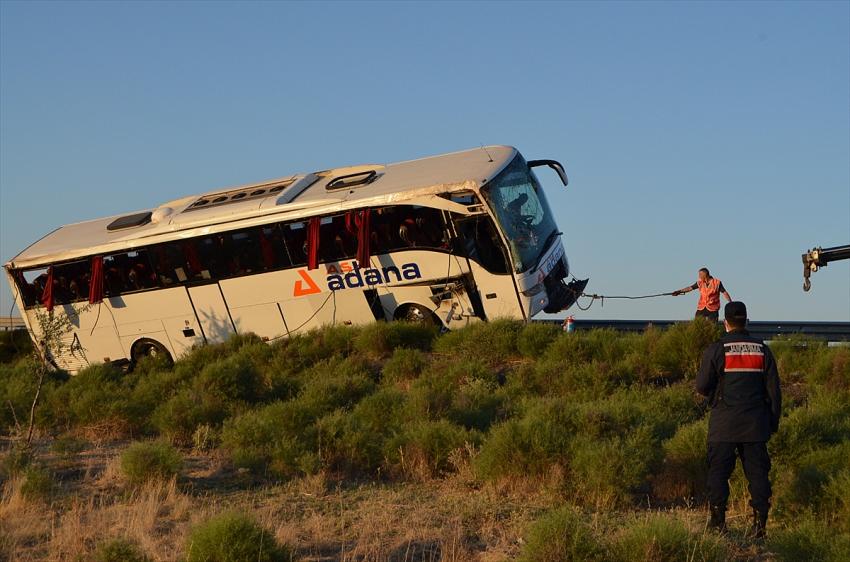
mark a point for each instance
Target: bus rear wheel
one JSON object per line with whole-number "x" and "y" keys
{"x": 147, "y": 347}
{"x": 417, "y": 314}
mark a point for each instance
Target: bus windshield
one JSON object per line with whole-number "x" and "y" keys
{"x": 520, "y": 206}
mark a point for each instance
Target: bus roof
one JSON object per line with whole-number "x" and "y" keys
{"x": 301, "y": 194}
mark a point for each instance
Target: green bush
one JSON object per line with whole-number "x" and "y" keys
{"x": 404, "y": 364}
{"x": 96, "y": 394}
{"x": 663, "y": 538}
{"x": 18, "y": 383}
{"x": 680, "y": 348}
{"x": 15, "y": 460}
{"x": 823, "y": 420}
{"x": 337, "y": 383}
{"x": 809, "y": 540}
{"x": 359, "y": 441}
{"x": 14, "y": 345}
{"x": 809, "y": 475}
{"x": 234, "y": 537}
{"x": 119, "y": 550}
{"x": 609, "y": 471}
{"x": 301, "y": 351}
{"x": 38, "y": 484}
{"x": 380, "y": 339}
{"x": 498, "y": 338}
{"x": 684, "y": 469}
{"x": 535, "y": 338}
{"x": 425, "y": 446}
{"x": 836, "y": 504}
{"x": 280, "y": 438}
{"x": 561, "y": 535}
{"x": 68, "y": 447}
{"x": 529, "y": 444}
{"x": 145, "y": 461}
{"x": 477, "y": 405}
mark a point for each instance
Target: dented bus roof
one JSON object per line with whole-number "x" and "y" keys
{"x": 286, "y": 198}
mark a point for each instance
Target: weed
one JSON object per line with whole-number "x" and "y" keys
{"x": 234, "y": 537}
{"x": 145, "y": 461}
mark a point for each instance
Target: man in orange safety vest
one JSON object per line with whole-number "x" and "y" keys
{"x": 710, "y": 289}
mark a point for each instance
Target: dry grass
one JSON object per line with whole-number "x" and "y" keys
{"x": 320, "y": 516}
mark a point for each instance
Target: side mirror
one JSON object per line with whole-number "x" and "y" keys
{"x": 555, "y": 165}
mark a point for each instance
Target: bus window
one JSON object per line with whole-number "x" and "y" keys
{"x": 404, "y": 227}
{"x": 31, "y": 284}
{"x": 295, "y": 240}
{"x": 479, "y": 240}
{"x": 71, "y": 282}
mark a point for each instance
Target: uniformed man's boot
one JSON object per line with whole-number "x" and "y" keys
{"x": 759, "y": 528}
{"x": 718, "y": 519}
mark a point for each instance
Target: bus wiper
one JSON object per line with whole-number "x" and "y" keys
{"x": 545, "y": 247}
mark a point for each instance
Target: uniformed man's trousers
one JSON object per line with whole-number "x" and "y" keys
{"x": 756, "y": 463}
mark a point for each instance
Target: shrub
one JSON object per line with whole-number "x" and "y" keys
{"x": 279, "y": 438}
{"x": 609, "y": 470}
{"x": 119, "y": 550}
{"x": 68, "y": 447}
{"x": 535, "y": 338}
{"x": 336, "y": 383}
{"x": 684, "y": 469}
{"x": 95, "y": 394}
{"x": 836, "y": 504}
{"x": 37, "y": 484}
{"x": 303, "y": 350}
{"x": 477, "y": 405}
{"x": 824, "y": 420}
{"x": 14, "y": 345}
{"x": 358, "y": 440}
{"x": 380, "y": 339}
{"x": 424, "y": 447}
{"x": 15, "y": 461}
{"x": 680, "y": 348}
{"x": 145, "y": 461}
{"x": 528, "y": 444}
{"x": 660, "y": 538}
{"x": 498, "y": 338}
{"x": 404, "y": 364}
{"x": 810, "y": 474}
{"x": 17, "y": 388}
{"x": 809, "y": 539}
{"x": 560, "y": 535}
{"x": 234, "y": 537}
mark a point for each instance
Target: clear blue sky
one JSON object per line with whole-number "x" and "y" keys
{"x": 694, "y": 134}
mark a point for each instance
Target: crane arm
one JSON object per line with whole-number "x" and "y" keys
{"x": 819, "y": 257}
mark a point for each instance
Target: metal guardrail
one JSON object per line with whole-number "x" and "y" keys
{"x": 831, "y": 331}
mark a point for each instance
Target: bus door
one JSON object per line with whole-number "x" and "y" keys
{"x": 212, "y": 312}
{"x": 490, "y": 267}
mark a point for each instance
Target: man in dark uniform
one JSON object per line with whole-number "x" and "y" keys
{"x": 738, "y": 374}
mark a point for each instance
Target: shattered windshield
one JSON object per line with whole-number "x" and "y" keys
{"x": 520, "y": 206}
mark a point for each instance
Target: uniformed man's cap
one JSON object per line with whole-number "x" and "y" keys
{"x": 735, "y": 310}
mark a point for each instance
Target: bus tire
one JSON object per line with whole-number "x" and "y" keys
{"x": 416, "y": 314}
{"x": 147, "y": 347}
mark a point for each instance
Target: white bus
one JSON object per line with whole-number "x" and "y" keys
{"x": 448, "y": 240}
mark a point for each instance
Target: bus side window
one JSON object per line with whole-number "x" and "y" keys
{"x": 295, "y": 239}
{"x": 480, "y": 241}
{"x": 31, "y": 284}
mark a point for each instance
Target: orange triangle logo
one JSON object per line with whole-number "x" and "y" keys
{"x": 305, "y": 285}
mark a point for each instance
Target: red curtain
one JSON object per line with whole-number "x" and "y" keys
{"x": 190, "y": 252}
{"x": 47, "y": 294}
{"x": 313, "y": 243}
{"x": 364, "y": 238}
{"x": 267, "y": 250}
{"x": 96, "y": 281}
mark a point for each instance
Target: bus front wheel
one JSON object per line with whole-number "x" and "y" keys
{"x": 147, "y": 347}
{"x": 416, "y": 314}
